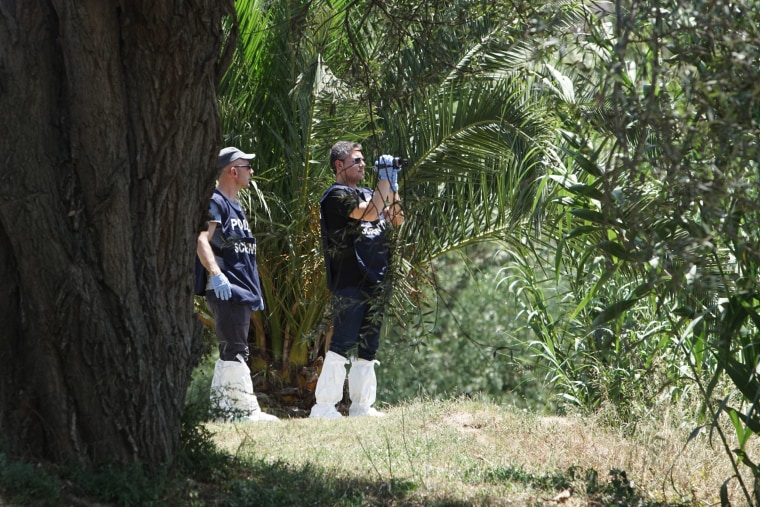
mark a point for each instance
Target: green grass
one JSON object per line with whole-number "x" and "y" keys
{"x": 470, "y": 452}
{"x": 462, "y": 452}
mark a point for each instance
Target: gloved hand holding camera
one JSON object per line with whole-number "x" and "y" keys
{"x": 388, "y": 167}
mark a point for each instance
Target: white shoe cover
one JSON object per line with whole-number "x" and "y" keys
{"x": 260, "y": 417}
{"x": 232, "y": 393}
{"x": 362, "y": 387}
{"x": 329, "y": 390}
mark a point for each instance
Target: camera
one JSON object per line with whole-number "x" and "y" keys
{"x": 386, "y": 161}
{"x": 399, "y": 162}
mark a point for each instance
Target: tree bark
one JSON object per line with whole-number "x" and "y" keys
{"x": 108, "y": 144}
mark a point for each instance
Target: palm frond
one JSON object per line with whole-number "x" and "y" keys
{"x": 477, "y": 153}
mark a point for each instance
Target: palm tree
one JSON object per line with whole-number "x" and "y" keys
{"x": 306, "y": 75}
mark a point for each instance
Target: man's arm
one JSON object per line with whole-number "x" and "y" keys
{"x": 371, "y": 210}
{"x": 205, "y": 253}
{"x": 219, "y": 281}
{"x": 386, "y": 198}
{"x": 395, "y": 212}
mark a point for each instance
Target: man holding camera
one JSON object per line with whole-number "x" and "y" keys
{"x": 354, "y": 223}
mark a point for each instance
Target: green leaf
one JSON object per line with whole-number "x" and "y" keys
{"x": 590, "y": 215}
{"x": 586, "y": 191}
{"x": 617, "y": 250}
{"x": 724, "y": 501}
{"x": 581, "y": 230}
{"x": 614, "y": 311}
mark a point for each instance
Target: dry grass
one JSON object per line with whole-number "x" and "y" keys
{"x": 468, "y": 452}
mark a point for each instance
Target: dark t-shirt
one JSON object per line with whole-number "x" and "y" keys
{"x": 356, "y": 251}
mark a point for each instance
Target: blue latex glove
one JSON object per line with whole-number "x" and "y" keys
{"x": 386, "y": 171}
{"x": 221, "y": 286}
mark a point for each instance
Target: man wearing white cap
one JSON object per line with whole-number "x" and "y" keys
{"x": 227, "y": 251}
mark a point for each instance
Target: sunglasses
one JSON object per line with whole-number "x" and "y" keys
{"x": 357, "y": 160}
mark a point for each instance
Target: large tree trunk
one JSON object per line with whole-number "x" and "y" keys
{"x": 108, "y": 135}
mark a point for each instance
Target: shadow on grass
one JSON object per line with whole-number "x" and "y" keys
{"x": 280, "y": 484}
{"x": 215, "y": 478}
{"x": 209, "y": 477}
{"x": 204, "y": 475}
